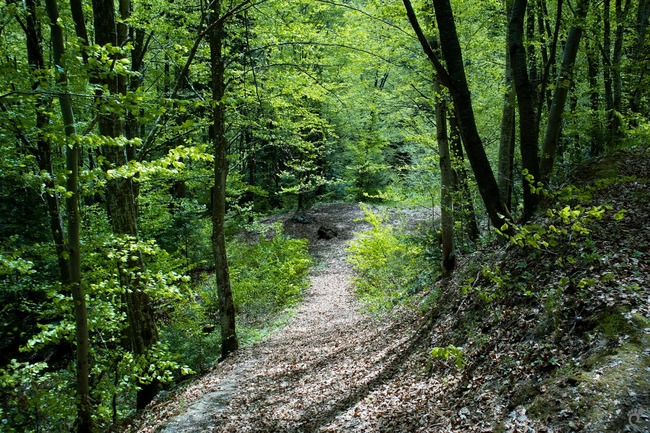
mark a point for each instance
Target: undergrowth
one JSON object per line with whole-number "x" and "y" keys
{"x": 563, "y": 295}
{"x": 390, "y": 265}
{"x": 268, "y": 277}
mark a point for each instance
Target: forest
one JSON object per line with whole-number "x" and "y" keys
{"x": 162, "y": 160}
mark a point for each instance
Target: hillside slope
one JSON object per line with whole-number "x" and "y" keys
{"x": 550, "y": 336}
{"x": 540, "y": 338}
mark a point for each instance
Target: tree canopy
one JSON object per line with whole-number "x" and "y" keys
{"x": 141, "y": 138}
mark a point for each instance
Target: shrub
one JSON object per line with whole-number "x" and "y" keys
{"x": 269, "y": 275}
{"x": 388, "y": 264}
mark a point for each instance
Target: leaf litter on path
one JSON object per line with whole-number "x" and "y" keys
{"x": 329, "y": 357}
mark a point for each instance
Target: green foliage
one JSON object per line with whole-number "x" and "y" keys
{"x": 561, "y": 224}
{"x": 190, "y": 331}
{"x": 41, "y": 395}
{"x": 450, "y": 352}
{"x": 562, "y": 236}
{"x": 493, "y": 284}
{"x": 35, "y": 398}
{"x": 388, "y": 265}
{"x": 321, "y": 100}
{"x": 269, "y": 275}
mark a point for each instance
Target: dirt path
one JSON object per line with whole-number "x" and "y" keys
{"x": 328, "y": 357}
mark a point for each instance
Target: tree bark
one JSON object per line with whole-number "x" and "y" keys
{"x": 507, "y": 137}
{"x": 562, "y": 87}
{"x": 617, "y": 55}
{"x": 593, "y": 71}
{"x": 84, "y": 418}
{"x": 122, "y": 207}
{"x": 451, "y": 51}
{"x": 528, "y": 131}
{"x": 229, "y": 342}
{"x": 545, "y": 95}
{"x": 461, "y": 184}
{"x": 607, "y": 68}
{"x": 640, "y": 55}
{"x": 446, "y": 184}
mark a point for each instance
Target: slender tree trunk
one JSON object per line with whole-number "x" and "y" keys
{"x": 640, "y": 56}
{"x": 528, "y": 132}
{"x": 76, "y": 8}
{"x": 607, "y": 68}
{"x": 461, "y": 183}
{"x": 455, "y": 80}
{"x": 617, "y": 55}
{"x": 43, "y": 150}
{"x": 532, "y": 43}
{"x": 122, "y": 208}
{"x": 593, "y": 71}
{"x": 459, "y": 90}
{"x": 84, "y": 418}
{"x": 546, "y": 95}
{"x": 562, "y": 87}
{"x": 229, "y": 342}
{"x": 545, "y": 35}
{"x": 446, "y": 184}
{"x": 507, "y": 138}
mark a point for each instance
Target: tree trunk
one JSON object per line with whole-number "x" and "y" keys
{"x": 525, "y": 101}
{"x": 545, "y": 94}
{"x": 621, "y": 16}
{"x": 531, "y": 47}
{"x": 640, "y": 56}
{"x": 593, "y": 71}
{"x": 84, "y": 418}
{"x": 43, "y": 150}
{"x": 545, "y": 35}
{"x": 122, "y": 208}
{"x": 507, "y": 138}
{"x": 562, "y": 87}
{"x": 461, "y": 183}
{"x": 459, "y": 90}
{"x": 607, "y": 68}
{"x": 229, "y": 342}
{"x": 455, "y": 80}
{"x": 446, "y": 184}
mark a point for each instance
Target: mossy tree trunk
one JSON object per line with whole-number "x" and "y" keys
{"x": 528, "y": 126}
{"x": 229, "y": 342}
{"x": 507, "y": 137}
{"x": 73, "y": 245}
{"x": 446, "y": 184}
{"x": 121, "y": 206}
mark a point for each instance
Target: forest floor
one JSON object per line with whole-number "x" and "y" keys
{"x": 325, "y": 360}
{"x": 548, "y": 340}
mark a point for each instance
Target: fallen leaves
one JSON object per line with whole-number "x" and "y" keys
{"x": 534, "y": 363}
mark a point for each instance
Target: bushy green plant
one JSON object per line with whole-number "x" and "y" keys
{"x": 39, "y": 386}
{"x": 268, "y": 276}
{"x": 450, "y": 352}
{"x": 191, "y": 330}
{"x": 387, "y": 263}
{"x": 36, "y": 398}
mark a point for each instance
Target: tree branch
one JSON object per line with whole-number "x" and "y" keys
{"x": 443, "y": 76}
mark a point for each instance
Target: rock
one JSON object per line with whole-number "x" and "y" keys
{"x": 325, "y": 232}
{"x": 302, "y": 218}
